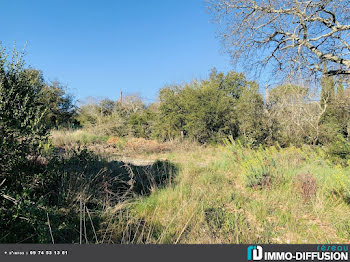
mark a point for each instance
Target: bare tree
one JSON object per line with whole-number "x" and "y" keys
{"x": 297, "y": 114}
{"x": 292, "y": 35}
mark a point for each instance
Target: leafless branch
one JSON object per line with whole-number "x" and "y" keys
{"x": 291, "y": 35}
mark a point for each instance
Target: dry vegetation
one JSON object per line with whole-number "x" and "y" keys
{"x": 231, "y": 194}
{"x": 113, "y": 145}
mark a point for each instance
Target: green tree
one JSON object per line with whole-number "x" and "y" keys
{"x": 141, "y": 123}
{"x": 209, "y": 112}
{"x": 250, "y": 115}
{"x": 21, "y": 112}
{"x": 171, "y": 117}
{"x": 205, "y": 110}
{"x": 61, "y": 110}
{"x": 22, "y": 132}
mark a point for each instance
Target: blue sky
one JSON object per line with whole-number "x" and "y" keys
{"x": 99, "y": 48}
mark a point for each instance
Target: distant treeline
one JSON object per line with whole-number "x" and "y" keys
{"x": 228, "y": 105}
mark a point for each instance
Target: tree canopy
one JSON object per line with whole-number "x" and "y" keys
{"x": 291, "y": 35}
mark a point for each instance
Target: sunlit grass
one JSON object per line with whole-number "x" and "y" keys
{"x": 211, "y": 202}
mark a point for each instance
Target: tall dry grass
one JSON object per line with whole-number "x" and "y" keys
{"x": 234, "y": 194}
{"x": 76, "y": 137}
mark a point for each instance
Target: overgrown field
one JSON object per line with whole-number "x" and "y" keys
{"x": 207, "y": 161}
{"x": 224, "y": 194}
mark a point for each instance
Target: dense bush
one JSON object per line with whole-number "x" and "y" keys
{"x": 339, "y": 150}
{"x": 22, "y": 134}
{"x": 209, "y": 110}
{"x": 28, "y": 180}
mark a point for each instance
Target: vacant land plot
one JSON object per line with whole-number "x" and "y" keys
{"x": 231, "y": 194}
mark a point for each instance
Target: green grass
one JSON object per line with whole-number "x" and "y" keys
{"x": 218, "y": 197}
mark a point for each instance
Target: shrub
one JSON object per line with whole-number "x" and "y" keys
{"x": 117, "y": 118}
{"x": 145, "y": 146}
{"x": 258, "y": 168}
{"x": 22, "y": 131}
{"x": 338, "y": 183}
{"x": 339, "y": 151}
{"x": 118, "y": 142}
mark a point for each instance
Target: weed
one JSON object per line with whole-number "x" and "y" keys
{"x": 307, "y": 186}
